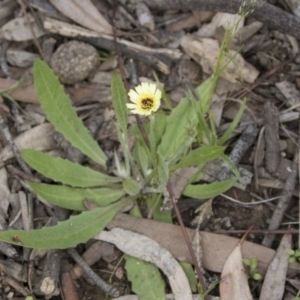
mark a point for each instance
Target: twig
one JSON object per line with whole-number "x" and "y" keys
{"x": 284, "y": 201}
{"x": 8, "y": 138}
{"x": 271, "y": 137}
{"x": 68, "y": 287}
{"x": 51, "y": 272}
{"x": 16, "y": 285}
{"x": 187, "y": 240}
{"x": 35, "y": 40}
{"x": 259, "y": 231}
{"x": 245, "y": 141}
{"x": 113, "y": 292}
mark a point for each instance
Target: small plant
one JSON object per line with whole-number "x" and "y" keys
{"x": 294, "y": 255}
{"x": 252, "y": 264}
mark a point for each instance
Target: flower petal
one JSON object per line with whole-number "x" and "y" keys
{"x": 133, "y": 96}
{"x": 139, "y": 89}
{"x": 152, "y": 88}
{"x": 131, "y": 105}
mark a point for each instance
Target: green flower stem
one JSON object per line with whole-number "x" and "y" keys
{"x": 153, "y": 146}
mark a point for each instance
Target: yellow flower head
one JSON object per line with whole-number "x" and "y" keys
{"x": 145, "y": 98}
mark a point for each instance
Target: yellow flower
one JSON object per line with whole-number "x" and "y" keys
{"x": 145, "y": 98}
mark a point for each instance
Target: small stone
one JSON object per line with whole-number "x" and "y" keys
{"x": 74, "y": 61}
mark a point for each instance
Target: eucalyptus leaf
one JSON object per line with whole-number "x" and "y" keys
{"x": 72, "y": 198}
{"x": 60, "y": 112}
{"x": 64, "y": 171}
{"x": 77, "y": 229}
{"x": 205, "y": 191}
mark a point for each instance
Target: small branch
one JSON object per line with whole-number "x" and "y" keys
{"x": 51, "y": 272}
{"x": 113, "y": 292}
{"x": 284, "y": 201}
{"x": 9, "y": 140}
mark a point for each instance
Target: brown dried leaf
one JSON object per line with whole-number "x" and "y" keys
{"x": 83, "y": 13}
{"x": 234, "y": 282}
{"x": 205, "y": 51}
{"x": 274, "y": 283}
{"x": 38, "y": 138}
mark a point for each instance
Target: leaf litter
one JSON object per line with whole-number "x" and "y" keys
{"x": 257, "y": 54}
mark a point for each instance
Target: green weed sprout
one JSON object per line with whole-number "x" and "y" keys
{"x": 294, "y": 255}
{"x": 252, "y": 264}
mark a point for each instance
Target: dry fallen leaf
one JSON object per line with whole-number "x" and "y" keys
{"x": 234, "y": 282}
{"x": 38, "y": 138}
{"x": 19, "y": 30}
{"x": 274, "y": 283}
{"x": 205, "y": 51}
{"x": 83, "y": 13}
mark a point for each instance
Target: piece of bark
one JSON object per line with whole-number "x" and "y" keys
{"x": 272, "y": 153}
{"x": 216, "y": 248}
{"x": 51, "y": 272}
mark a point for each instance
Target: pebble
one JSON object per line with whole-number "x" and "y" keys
{"x": 74, "y": 61}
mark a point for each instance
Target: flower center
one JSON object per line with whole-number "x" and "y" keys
{"x": 147, "y": 103}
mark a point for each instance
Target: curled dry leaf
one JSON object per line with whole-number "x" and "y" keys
{"x": 234, "y": 282}
{"x": 205, "y": 51}
{"x": 38, "y": 138}
{"x": 19, "y": 30}
{"x": 83, "y": 13}
{"x": 274, "y": 283}
{"x": 147, "y": 249}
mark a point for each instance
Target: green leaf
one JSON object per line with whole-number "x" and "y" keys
{"x": 64, "y": 171}
{"x": 223, "y": 139}
{"x": 201, "y": 155}
{"x": 205, "y": 191}
{"x": 163, "y": 172}
{"x": 177, "y": 136}
{"x": 60, "y": 112}
{"x": 66, "y": 234}
{"x": 190, "y": 274}
{"x": 145, "y": 278}
{"x": 72, "y": 198}
{"x": 119, "y": 100}
{"x": 205, "y": 92}
{"x": 131, "y": 187}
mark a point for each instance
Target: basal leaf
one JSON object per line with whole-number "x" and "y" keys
{"x": 205, "y": 191}
{"x": 223, "y": 139}
{"x": 64, "y": 171}
{"x": 119, "y": 100}
{"x": 66, "y": 234}
{"x": 131, "y": 186}
{"x": 145, "y": 279}
{"x": 72, "y": 198}
{"x": 60, "y": 112}
{"x": 179, "y": 130}
{"x": 201, "y": 155}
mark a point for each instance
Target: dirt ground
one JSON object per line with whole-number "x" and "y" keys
{"x": 177, "y": 45}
